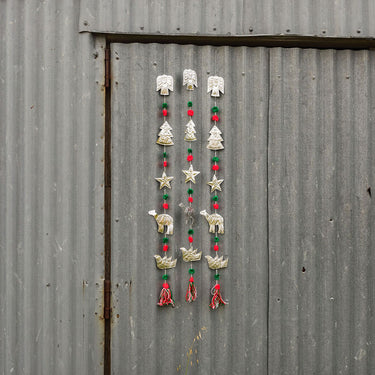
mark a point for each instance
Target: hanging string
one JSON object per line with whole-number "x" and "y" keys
{"x": 164, "y": 221}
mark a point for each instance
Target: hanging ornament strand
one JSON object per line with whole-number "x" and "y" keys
{"x": 215, "y": 220}
{"x": 164, "y": 221}
{"x": 190, "y": 255}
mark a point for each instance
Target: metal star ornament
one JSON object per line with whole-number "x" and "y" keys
{"x": 215, "y": 184}
{"x": 190, "y": 174}
{"x": 164, "y": 181}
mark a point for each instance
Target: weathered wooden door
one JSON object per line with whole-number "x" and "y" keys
{"x": 296, "y": 201}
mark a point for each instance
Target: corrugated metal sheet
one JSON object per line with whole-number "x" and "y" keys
{"x": 148, "y": 339}
{"x": 298, "y": 175}
{"x": 339, "y": 18}
{"x": 51, "y": 192}
{"x": 321, "y": 213}
{"x": 300, "y": 280}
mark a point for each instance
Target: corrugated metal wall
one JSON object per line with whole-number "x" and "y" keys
{"x": 51, "y": 191}
{"x": 321, "y": 212}
{"x": 297, "y": 169}
{"x": 148, "y": 339}
{"x": 301, "y": 249}
{"x": 340, "y": 18}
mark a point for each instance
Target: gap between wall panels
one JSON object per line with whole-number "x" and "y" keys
{"x": 107, "y": 214}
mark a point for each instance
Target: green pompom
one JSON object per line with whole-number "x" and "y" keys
{"x": 191, "y": 271}
{"x": 190, "y": 104}
{"x": 165, "y": 196}
{"x": 164, "y": 154}
{"x": 216, "y": 239}
{"x": 217, "y": 277}
{"x": 165, "y": 240}
{"x": 215, "y": 158}
{"x": 165, "y": 105}
{"x": 165, "y": 277}
{"x": 191, "y": 231}
{"x": 215, "y": 198}
{"x": 190, "y": 191}
{"x": 215, "y": 109}
{"x": 190, "y": 150}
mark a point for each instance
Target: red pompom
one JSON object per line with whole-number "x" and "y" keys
{"x": 190, "y": 199}
{"x": 166, "y": 286}
{"x": 217, "y": 286}
{"x": 191, "y": 239}
{"x": 191, "y": 280}
{"x": 215, "y": 118}
{"x": 165, "y": 112}
{"x": 216, "y": 247}
{"x": 189, "y": 158}
{"x": 215, "y": 167}
{"x": 165, "y": 163}
{"x": 216, "y": 206}
{"x": 165, "y": 248}
{"x": 166, "y": 206}
{"x": 190, "y": 112}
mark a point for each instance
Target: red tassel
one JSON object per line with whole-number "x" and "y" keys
{"x": 191, "y": 293}
{"x": 216, "y": 300}
{"x": 165, "y": 297}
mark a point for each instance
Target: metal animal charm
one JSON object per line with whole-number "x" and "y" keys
{"x": 213, "y": 220}
{"x": 190, "y": 255}
{"x": 163, "y": 220}
{"x": 216, "y": 263}
{"x": 189, "y": 212}
{"x": 164, "y": 83}
{"x": 190, "y": 79}
{"x": 216, "y": 85}
{"x": 165, "y": 262}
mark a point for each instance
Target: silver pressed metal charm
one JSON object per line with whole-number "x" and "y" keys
{"x": 215, "y": 85}
{"x": 164, "y": 83}
{"x": 190, "y": 79}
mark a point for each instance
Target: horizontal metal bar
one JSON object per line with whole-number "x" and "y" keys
{"x": 287, "y": 41}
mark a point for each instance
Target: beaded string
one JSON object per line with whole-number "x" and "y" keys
{"x": 190, "y": 255}
{"x": 165, "y": 195}
{"x": 165, "y": 221}
{"x": 215, "y": 220}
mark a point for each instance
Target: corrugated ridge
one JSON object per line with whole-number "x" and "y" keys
{"x": 51, "y": 191}
{"x": 239, "y": 17}
{"x": 320, "y": 158}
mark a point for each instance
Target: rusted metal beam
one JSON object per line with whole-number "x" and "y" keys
{"x": 107, "y": 214}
